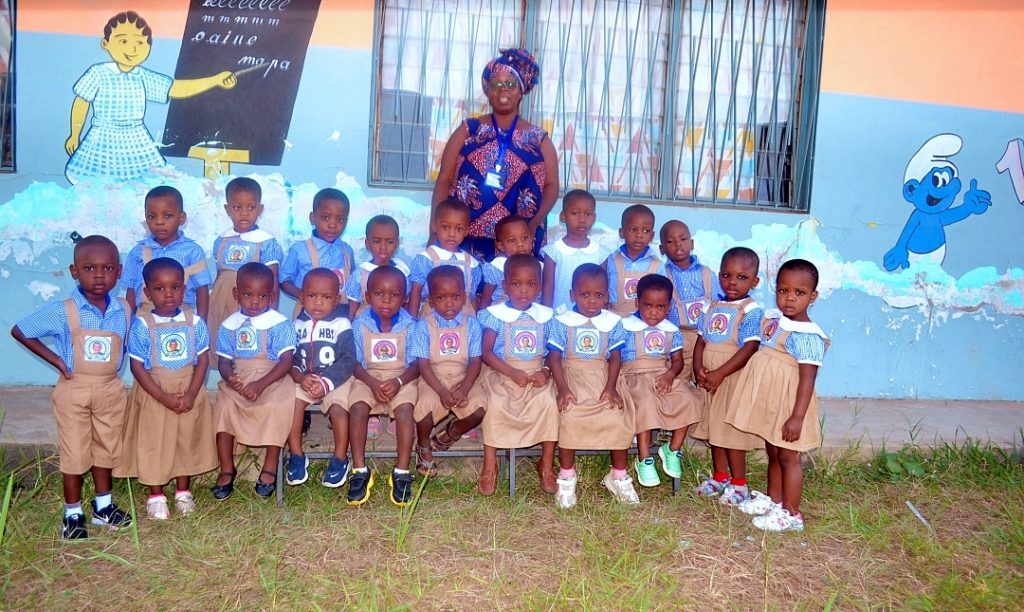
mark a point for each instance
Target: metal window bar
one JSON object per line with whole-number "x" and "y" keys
{"x": 7, "y": 85}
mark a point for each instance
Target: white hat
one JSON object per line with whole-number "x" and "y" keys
{"x": 933, "y": 154}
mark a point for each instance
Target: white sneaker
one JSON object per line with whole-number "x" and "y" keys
{"x": 734, "y": 495}
{"x": 779, "y": 519}
{"x": 566, "y": 496}
{"x": 184, "y": 502}
{"x": 621, "y": 490}
{"x": 156, "y": 508}
{"x": 758, "y": 504}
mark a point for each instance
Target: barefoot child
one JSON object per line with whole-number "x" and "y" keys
{"x": 775, "y": 396}
{"x": 561, "y": 258}
{"x": 169, "y": 430}
{"x": 450, "y": 225}
{"x": 324, "y": 249}
{"x": 381, "y": 243}
{"x": 88, "y": 330}
{"x": 633, "y": 260}
{"x": 512, "y": 236}
{"x": 584, "y": 353}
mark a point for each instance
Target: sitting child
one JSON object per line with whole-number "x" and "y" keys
{"x": 450, "y": 225}
{"x": 633, "y": 260}
{"x": 512, "y": 236}
{"x": 381, "y": 243}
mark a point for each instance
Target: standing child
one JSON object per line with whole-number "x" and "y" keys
{"x": 325, "y": 356}
{"x": 243, "y": 243}
{"x": 450, "y": 225}
{"x": 324, "y": 249}
{"x": 385, "y": 375}
{"x": 446, "y": 343}
{"x": 775, "y": 396}
{"x": 730, "y": 332}
{"x": 633, "y": 260}
{"x": 381, "y": 243}
{"x": 584, "y": 353}
{"x": 523, "y": 410}
{"x": 165, "y": 214}
{"x": 512, "y": 236}
{"x": 254, "y": 395}
{"x": 88, "y": 329}
{"x": 561, "y": 258}
{"x": 657, "y": 398}
{"x": 169, "y": 430}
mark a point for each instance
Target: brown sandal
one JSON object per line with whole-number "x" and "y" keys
{"x": 424, "y": 467}
{"x": 436, "y": 443}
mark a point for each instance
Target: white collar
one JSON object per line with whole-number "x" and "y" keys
{"x": 177, "y": 318}
{"x": 113, "y": 67}
{"x": 256, "y": 235}
{"x": 499, "y": 262}
{"x": 444, "y": 255}
{"x": 752, "y": 305}
{"x": 634, "y": 323}
{"x": 266, "y": 320}
{"x": 803, "y": 327}
{"x": 604, "y": 321}
{"x": 590, "y": 249}
{"x": 538, "y": 312}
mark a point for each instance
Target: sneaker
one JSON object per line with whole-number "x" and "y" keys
{"x": 373, "y": 428}
{"x": 566, "y": 495}
{"x": 621, "y": 490}
{"x": 74, "y": 528}
{"x": 779, "y": 519}
{"x": 336, "y": 474}
{"x": 670, "y": 461}
{"x": 298, "y": 473}
{"x": 646, "y": 474}
{"x": 401, "y": 488}
{"x": 111, "y": 516}
{"x": 710, "y": 487}
{"x": 156, "y": 508}
{"x": 734, "y": 495}
{"x": 359, "y": 485}
{"x": 758, "y": 504}
{"x": 184, "y": 503}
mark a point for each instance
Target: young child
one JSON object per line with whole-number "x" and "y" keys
{"x": 522, "y": 410}
{"x": 243, "y": 243}
{"x": 450, "y": 225}
{"x": 325, "y": 356}
{"x": 381, "y": 242}
{"x": 447, "y": 346}
{"x": 775, "y": 396}
{"x": 694, "y": 285}
{"x": 325, "y": 249}
{"x": 584, "y": 353}
{"x": 165, "y": 214}
{"x": 255, "y": 393}
{"x": 385, "y": 376}
{"x": 169, "y": 430}
{"x": 562, "y": 257}
{"x": 633, "y": 260}
{"x": 512, "y": 236}
{"x": 88, "y": 329}
{"x": 729, "y": 334}
{"x": 657, "y": 398}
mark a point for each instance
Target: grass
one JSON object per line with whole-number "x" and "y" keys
{"x": 863, "y": 548}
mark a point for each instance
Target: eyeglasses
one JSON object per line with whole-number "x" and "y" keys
{"x": 510, "y": 85}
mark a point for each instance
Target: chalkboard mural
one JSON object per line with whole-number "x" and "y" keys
{"x": 263, "y": 42}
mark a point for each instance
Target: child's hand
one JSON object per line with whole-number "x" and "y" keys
{"x": 186, "y": 401}
{"x": 385, "y": 390}
{"x": 64, "y": 371}
{"x": 701, "y": 374}
{"x": 251, "y": 391}
{"x": 539, "y": 378}
{"x": 447, "y": 399}
{"x": 520, "y": 377}
{"x": 171, "y": 401}
{"x": 226, "y": 79}
{"x": 612, "y": 396}
{"x": 663, "y": 383}
{"x": 712, "y": 380}
{"x": 310, "y": 382}
{"x": 458, "y": 396}
{"x": 564, "y": 398}
{"x": 235, "y": 382}
{"x": 792, "y": 429}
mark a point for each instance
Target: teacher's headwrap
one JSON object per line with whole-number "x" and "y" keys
{"x": 518, "y": 63}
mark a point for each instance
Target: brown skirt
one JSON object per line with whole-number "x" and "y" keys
{"x": 678, "y": 408}
{"x": 428, "y": 401}
{"x": 361, "y": 392}
{"x": 518, "y": 417}
{"x": 222, "y": 304}
{"x": 338, "y": 396}
{"x": 590, "y": 423}
{"x": 712, "y": 426}
{"x": 764, "y": 400}
{"x": 266, "y": 421}
{"x": 160, "y": 444}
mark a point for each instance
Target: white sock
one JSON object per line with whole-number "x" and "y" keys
{"x": 400, "y": 471}
{"x": 362, "y": 469}
{"x": 102, "y": 500}
{"x": 72, "y": 509}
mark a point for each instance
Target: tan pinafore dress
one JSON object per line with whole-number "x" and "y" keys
{"x": 626, "y": 290}
{"x": 466, "y": 265}
{"x": 385, "y": 359}
{"x": 222, "y": 299}
{"x": 449, "y": 356}
{"x": 90, "y": 407}
{"x": 342, "y": 274}
{"x": 680, "y": 407}
{"x": 590, "y": 423}
{"x": 689, "y": 314}
{"x": 766, "y": 395}
{"x": 160, "y": 444}
{"x": 146, "y": 305}
{"x": 712, "y": 426}
{"x": 266, "y": 421}
{"x": 518, "y": 417}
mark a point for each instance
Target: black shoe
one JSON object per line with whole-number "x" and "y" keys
{"x": 307, "y": 420}
{"x": 359, "y": 485}
{"x": 401, "y": 488}
{"x": 74, "y": 528}
{"x": 111, "y": 516}
{"x": 266, "y": 489}
{"x": 222, "y": 492}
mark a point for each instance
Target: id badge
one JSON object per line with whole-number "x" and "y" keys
{"x": 493, "y": 180}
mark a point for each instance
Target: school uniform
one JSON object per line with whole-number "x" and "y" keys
{"x": 518, "y": 417}
{"x": 256, "y": 344}
{"x": 160, "y": 444}
{"x": 766, "y": 390}
{"x": 692, "y": 290}
{"x": 182, "y": 250}
{"x": 726, "y": 327}
{"x": 586, "y": 345}
{"x": 315, "y": 252}
{"x": 434, "y": 256}
{"x": 354, "y": 288}
{"x": 384, "y": 355}
{"x": 89, "y": 408}
{"x": 624, "y": 274}
{"x": 566, "y": 259}
{"x": 448, "y": 345}
{"x": 493, "y": 273}
{"x": 326, "y": 348}
{"x": 646, "y": 354}
{"x": 231, "y": 251}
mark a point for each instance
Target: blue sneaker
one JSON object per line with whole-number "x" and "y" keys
{"x": 297, "y": 470}
{"x": 336, "y": 474}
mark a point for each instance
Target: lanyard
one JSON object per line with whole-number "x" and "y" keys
{"x": 503, "y": 140}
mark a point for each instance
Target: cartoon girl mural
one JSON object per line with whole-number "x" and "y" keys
{"x": 117, "y": 145}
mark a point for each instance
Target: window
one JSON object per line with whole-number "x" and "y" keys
{"x": 706, "y": 101}
{"x": 6, "y": 86}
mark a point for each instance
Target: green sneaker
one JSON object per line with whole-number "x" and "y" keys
{"x": 670, "y": 461}
{"x": 646, "y": 474}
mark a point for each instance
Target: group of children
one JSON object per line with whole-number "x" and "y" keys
{"x": 585, "y": 350}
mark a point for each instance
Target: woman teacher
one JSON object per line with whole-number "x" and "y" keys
{"x": 500, "y": 164}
